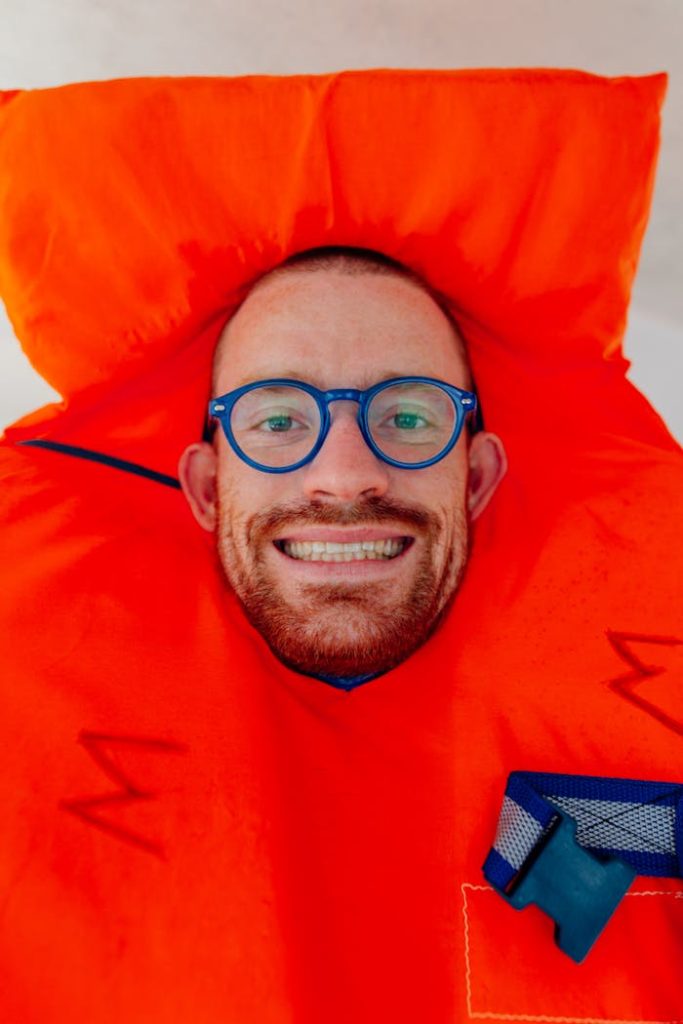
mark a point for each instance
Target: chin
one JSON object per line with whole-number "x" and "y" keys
{"x": 336, "y": 645}
{"x": 344, "y": 630}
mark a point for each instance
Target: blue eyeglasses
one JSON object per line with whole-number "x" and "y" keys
{"x": 280, "y": 425}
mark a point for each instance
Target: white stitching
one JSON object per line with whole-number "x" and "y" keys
{"x": 466, "y": 929}
{"x": 486, "y": 1015}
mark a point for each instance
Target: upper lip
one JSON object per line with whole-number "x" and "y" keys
{"x": 342, "y": 535}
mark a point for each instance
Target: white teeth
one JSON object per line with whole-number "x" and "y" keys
{"x": 334, "y": 551}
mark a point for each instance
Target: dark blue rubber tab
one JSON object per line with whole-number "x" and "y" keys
{"x": 576, "y": 889}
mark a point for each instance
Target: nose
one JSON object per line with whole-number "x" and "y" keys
{"x": 345, "y": 468}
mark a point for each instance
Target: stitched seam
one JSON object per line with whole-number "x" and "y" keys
{"x": 466, "y": 931}
{"x": 489, "y": 1015}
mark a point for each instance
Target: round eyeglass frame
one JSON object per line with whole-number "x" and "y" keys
{"x": 465, "y": 402}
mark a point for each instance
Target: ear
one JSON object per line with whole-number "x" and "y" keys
{"x": 488, "y": 465}
{"x": 197, "y": 473}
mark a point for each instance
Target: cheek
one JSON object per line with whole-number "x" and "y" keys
{"x": 444, "y": 494}
{"x": 442, "y": 488}
{"x": 243, "y": 492}
{"x": 454, "y": 478}
{"x": 236, "y": 496}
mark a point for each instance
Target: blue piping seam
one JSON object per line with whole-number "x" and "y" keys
{"x": 105, "y": 460}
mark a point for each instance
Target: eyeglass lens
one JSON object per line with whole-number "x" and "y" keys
{"x": 279, "y": 425}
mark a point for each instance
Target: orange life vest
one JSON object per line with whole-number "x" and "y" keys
{"x": 192, "y": 832}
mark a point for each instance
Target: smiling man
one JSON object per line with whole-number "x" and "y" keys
{"x": 346, "y": 473}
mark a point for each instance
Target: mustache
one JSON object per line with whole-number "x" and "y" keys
{"x": 371, "y": 511}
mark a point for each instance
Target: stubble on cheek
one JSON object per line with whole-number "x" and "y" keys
{"x": 342, "y": 629}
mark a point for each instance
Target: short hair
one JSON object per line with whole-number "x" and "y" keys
{"x": 354, "y": 260}
{"x": 351, "y": 260}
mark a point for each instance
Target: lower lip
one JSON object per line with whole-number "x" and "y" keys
{"x": 366, "y": 567}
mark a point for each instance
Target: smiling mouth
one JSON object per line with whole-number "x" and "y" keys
{"x": 353, "y": 551}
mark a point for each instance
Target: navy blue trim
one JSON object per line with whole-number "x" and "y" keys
{"x": 344, "y": 683}
{"x": 105, "y": 460}
{"x": 497, "y": 870}
{"x": 587, "y": 787}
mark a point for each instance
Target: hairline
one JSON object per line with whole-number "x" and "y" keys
{"x": 353, "y": 262}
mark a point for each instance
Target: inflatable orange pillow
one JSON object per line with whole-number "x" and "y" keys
{"x": 193, "y": 831}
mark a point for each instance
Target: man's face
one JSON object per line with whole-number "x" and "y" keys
{"x": 365, "y": 606}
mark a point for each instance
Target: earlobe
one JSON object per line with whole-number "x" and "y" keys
{"x": 197, "y": 474}
{"x": 488, "y": 465}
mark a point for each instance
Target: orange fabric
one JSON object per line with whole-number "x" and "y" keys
{"x": 273, "y": 850}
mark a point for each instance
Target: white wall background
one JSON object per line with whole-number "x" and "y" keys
{"x": 49, "y": 42}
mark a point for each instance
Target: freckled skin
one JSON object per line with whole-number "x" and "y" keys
{"x": 334, "y": 329}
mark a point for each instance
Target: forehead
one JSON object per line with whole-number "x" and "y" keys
{"x": 335, "y": 329}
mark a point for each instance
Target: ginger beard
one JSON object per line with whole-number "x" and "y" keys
{"x": 342, "y": 629}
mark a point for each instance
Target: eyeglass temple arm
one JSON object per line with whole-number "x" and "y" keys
{"x": 475, "y": 418}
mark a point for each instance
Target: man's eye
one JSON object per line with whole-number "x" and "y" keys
{"x": 279, "y": 423}
{"x": 276, "y": 424}
{"x": 407, "y": 421}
